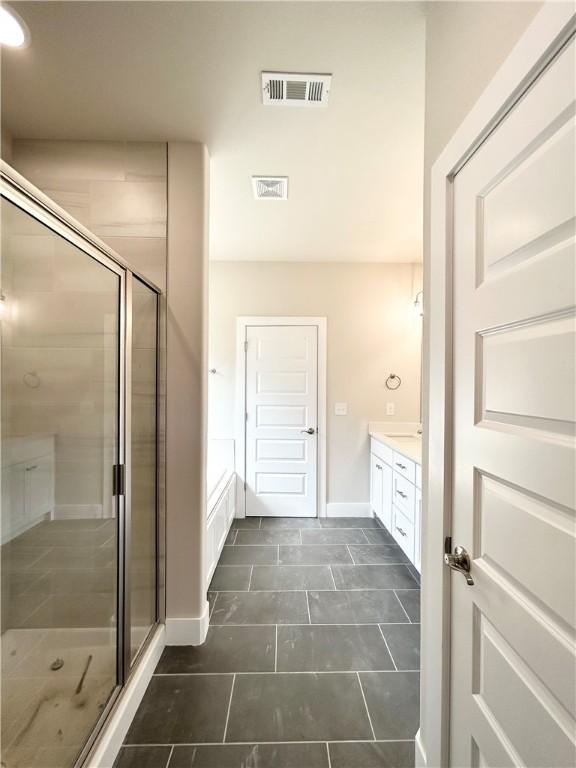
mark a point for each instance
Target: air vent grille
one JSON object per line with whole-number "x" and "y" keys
{"x": 295, "y": 89}
{"x": 270, "y": 187}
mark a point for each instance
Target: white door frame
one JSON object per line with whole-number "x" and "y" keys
{"x": 546, "y": 35}
{"x": 241, "y": 325}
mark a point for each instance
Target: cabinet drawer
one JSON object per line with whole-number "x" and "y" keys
{"x": 403, "y": 495}
{"x": 382, "y": 451}
{"x": 404, "y": 466}
{"x": 404, "y": 533}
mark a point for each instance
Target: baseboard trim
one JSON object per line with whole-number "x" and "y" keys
{"x": 78, "y": 512}
{"x": 420, "y": 754}
{"x": 349, "y": 509}
{"x": 114, "y": 733}
{"x": 188, "y": 631}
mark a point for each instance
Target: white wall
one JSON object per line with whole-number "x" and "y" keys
{"x": 373, "y": 330}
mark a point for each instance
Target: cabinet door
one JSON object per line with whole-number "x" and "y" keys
{"x": 376, "y": 485}
{"x": 13, "y": 501}
{"x": 40, "y": 488}
{"x": 418, "y": 528}
{"x": 387, "y": 496}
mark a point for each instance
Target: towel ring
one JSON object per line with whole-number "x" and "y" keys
{"x": 393, "y": 381}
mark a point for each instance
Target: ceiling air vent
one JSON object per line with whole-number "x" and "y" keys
{"x": 270, "y": 187}
{"x": 295, "y": 90}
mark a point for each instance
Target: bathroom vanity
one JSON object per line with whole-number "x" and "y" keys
{"x": 27, "y": 483}
{"x": 396, "y": 483}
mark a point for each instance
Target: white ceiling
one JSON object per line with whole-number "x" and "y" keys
{"x": 191, "y": 71}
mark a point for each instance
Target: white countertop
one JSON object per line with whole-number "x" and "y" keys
{"x": 400, "y": 437}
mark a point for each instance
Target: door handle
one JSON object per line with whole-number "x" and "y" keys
{"x": 460, "y": 561}
{"x": 309, "y": 431}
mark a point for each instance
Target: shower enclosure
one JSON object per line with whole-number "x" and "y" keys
{"x": 79, "y": 523}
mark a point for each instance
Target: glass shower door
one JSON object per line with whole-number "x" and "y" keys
{"x": 143, "y": 558}
{"x": 60, "y": 311}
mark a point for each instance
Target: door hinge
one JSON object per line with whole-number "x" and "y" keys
{"x": 246, "y": 416}
{"x": 448, "y": 545}
{"x": 118, "y": 480}
{"x": 244, "y": 484}
{"x": 245, "y": 346}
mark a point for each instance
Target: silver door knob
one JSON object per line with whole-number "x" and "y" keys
{"x": 309, "y": 431}
{"x": 460, "y": 561}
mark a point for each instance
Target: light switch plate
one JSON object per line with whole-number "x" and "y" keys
{"x": 341, "y": 409}
{"x": 390, "y": 409}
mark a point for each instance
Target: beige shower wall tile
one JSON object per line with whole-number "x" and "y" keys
{"x": 31, "y": 259}
{"x": 128, "y": 209}
{"x": 145, "y": 161}
{"x": 64, "y": 319}
{"x": 147, "y": 255}
{"x": 41, "y": 161}
{"x": 75, "y": 271}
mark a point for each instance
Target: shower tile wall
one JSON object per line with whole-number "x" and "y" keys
{"x": 118, "y": 190}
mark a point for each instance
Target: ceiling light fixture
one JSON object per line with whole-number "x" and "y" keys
{"x": 13, "y": 31}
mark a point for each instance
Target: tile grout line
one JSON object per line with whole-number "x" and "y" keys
{"x": 333, "y": 579}
{"x": 402, "y": 606}
{"x": 213, "y": 606}
{"x": 366, "y": 705}
{"x": 328, "y": 753}
{"x": 170, "y": 757}
{"x": 229, "y": 708}
{"x": 387, "y": 647}
{"x": 308, "y": 606}
{"x": 249, "y": 580}
{"x": 287, "y": 672}
{"x": 244, "y": 743}
{"x": 276, "y": 650}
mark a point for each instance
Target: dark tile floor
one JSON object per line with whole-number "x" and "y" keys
{"x": 311, "y": 660}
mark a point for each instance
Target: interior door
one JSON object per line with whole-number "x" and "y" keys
{"x": 513, "y": 657}
{"x": 281, "y": 420}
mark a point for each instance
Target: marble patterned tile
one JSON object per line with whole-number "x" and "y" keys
{"x": 200, "y": 701}
{"x": 314, "y": 555}
{"x": 226, "y": 649}
{"x": 260, "y": 608}
{"x": 269, "y": 536}
{"x": 334, "y": 536}
{"x": 393, "y": 700}
{"x": 331, "y": 649}
{"x": 293, "y": 707}
{"x": 369, "y": 606}
{"x": 410, "y": 599}
{"x": 373, "y": 577}
{"x": 372, "y": 754}
{"x": 143, "y": 757}
{"x": 247, "y": 555}
{"x": 291, "y": 577}
{"x": 230, "y": 578}
{"x": 404, "y": 644}
{"x": 348, "y": 522}
{"x": 250, "y": 756}
{"x": 374, "y": 554}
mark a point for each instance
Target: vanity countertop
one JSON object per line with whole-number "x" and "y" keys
{"x": 400, "y": 437}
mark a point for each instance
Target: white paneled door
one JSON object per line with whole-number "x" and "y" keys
{"x": 281, "y": 420}
{"x": 513, "y": 699}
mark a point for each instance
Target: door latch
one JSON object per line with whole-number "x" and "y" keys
{"x": 460, "y": 561}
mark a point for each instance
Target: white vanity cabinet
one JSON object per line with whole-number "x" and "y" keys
{"x": 27, "y": 483}
{"x": 220, "y": 515}
{"x": 395, "y": 495}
